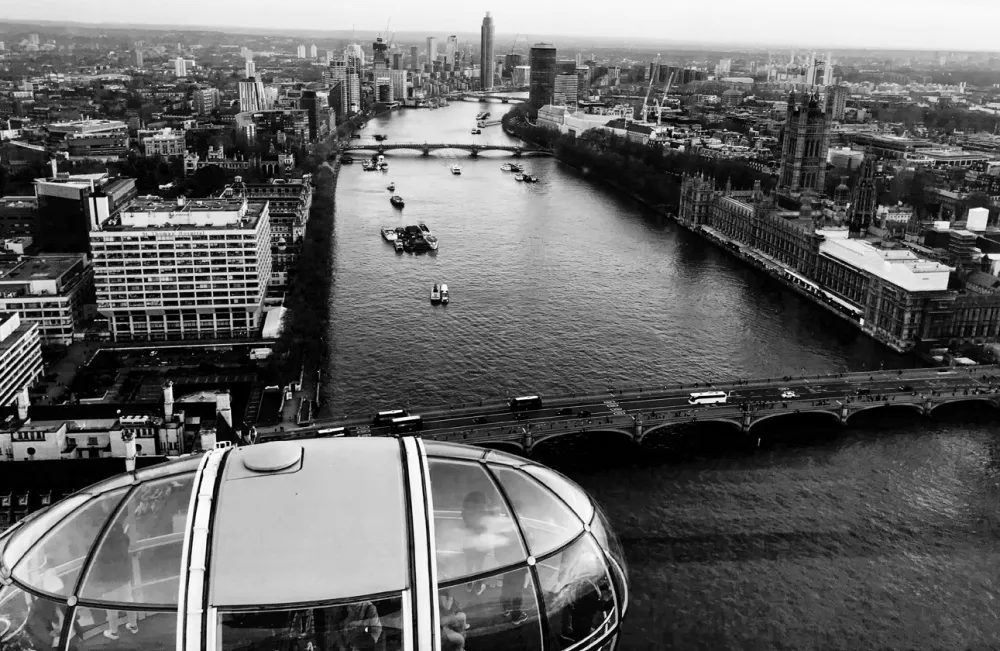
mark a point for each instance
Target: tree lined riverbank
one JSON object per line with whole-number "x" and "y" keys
{"x": 303, "y": 341}
{"x": 650, "y": 174}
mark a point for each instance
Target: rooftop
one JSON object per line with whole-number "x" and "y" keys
{"x": 45, "y": 267}
{"x": 149, "y": 213}
{"x": 901, "y": 267}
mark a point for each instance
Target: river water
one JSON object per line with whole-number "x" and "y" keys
{"x": 881, "y": 536}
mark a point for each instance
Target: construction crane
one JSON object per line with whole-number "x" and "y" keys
{"x": 652, "y": 77}
{"x": 660, "y": 103}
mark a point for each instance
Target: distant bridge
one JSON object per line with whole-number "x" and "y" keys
{"x": 632, "y": 415}
{"x": 505, "y": 99}
{"x": 427, "y": 148}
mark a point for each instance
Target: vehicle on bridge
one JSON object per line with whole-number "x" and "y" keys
{"x": 331, "y": 432}
{"x": 708, "y": 398}
{"x": 406, "y": 424}
{"x": 525, "y": 403}
{"x": 787, "y": 393}
{"x": 386, "y": 416}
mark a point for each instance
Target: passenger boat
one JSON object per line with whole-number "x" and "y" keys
{"x": 432, "y": 242}
{"x": 423, "y": 229}
{"x": 400, "y": 233}
{"x": 388, "y": 234}
{"x": 507, "y": 167}
{"x": 397, "y": 201}
{"x": 530, "y": 178}
{"x": 384, "y": 166}
{"x": 476, "y": 132}
{"x": 392, "y": 187}
{"x": 435, "y": 294}
{"x": 455, "y": 169}
{"x": 399, "y": 246}
{"x": 444, "y": 295}
{"x": 519, "y": 177}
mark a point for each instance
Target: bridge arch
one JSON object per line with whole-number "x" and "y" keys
{"x": 591, "y": 434}
{"x": 991, "y": 400}
{"x": 664, "y": 427}
{"x": 913, "y": 406}
{"x": 802, "y": 414}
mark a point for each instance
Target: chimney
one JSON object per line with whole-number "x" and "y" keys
{"x": 55, "y": 167}
{"x": 23, "y": 402}
{"x": 224, "y": 407}
{"x": 168, "y": 400}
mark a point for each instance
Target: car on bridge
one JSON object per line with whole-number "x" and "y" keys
{"x": 906, "y": 387}
{"x": 788, "y": 393}
{"x": 583, "y": 413}
{"x": 479, "y": 420}
{"x": 565, "y": 411}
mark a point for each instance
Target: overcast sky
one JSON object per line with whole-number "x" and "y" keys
{"x": 914, "y": 24}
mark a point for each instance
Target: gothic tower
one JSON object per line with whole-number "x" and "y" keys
{"x": 864, "y": 201}
{"x": 806, "y": 143}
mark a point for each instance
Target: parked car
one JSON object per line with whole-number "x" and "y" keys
{"x": 583, "y": 413}
{"x": 479, "y": 420}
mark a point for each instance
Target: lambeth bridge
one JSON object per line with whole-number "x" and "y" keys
{"x": 427, "y": 148}
{"x": 634, "y": 414}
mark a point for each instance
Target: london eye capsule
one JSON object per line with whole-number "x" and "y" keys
{"x": 325, "y": 544}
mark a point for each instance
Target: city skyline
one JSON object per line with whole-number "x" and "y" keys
{"x": 891, "y": 24}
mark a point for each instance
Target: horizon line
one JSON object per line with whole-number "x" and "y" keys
{"x": 278, "y": 31}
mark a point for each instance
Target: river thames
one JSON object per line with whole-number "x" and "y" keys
{"x": 880, "y": 536}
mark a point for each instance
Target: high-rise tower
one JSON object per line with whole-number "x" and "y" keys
{"x": 488, "y": 60}
{"x": 451, "y": 49}
{"x": 806, "y": 142}
{"x": 864, "y": 201}
{"x": 543, "y": 74}
{"x": 432, "y": 50}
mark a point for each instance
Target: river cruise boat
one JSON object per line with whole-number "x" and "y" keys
{"x": 399, "y": 245}
{"x": 388, "y": 234}
{"x": 435, "y": 294}
{"x": 516, "y": 167}
{"x": 392, "y": 187}
{"x": 481, "y": 124}
{"x": 530, "y": 178}
{"x": 445, "y": 298}
{"x": 519, "y": 177}
{"x": 476, "y": 132}
{"x": 397, "y": 201}
{"x": 424, "y": 230}
{"x": 507, "y": 167}
{"x": 431, "y": 241}
{"x": 456, "y": 169}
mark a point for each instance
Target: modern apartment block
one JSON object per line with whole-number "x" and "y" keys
{"x": 71, "y": 205}
{"x": 190, "y": 269}
{"x": 18, "y": 216}
{"x": 50, "y": 291}
{"x": 20, "y": 359}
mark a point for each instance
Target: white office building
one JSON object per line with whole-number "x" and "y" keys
{"x": 20, "y": 359}
{"x": 184, "y": 269}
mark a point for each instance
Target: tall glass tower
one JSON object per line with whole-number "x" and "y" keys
{"x": 488, "y": 63}
{"x": 543, "y": 75}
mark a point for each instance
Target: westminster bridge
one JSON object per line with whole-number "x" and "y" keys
{"x": 635, "y": 414}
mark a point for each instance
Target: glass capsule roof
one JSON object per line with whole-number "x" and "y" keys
{"x": 310, "y": 530}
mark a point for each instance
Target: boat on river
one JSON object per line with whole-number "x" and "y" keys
{"x": 435, "y": 294}
{"x": 397, "y": 201}
{"x": 456, "y": 169}
{"x": 445, "y": 298}
{"x": 530, "y": 178}
{"x": 519, "y": 177}
{"x": 507, "y": 167}
{"x": 431, "y": 241}
{"x": 392, "y": 187}
{"x": 388, "y": 234}
{"x": 399, "y": 245}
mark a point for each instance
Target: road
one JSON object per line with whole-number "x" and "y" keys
{"x": 807, "y": 391}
